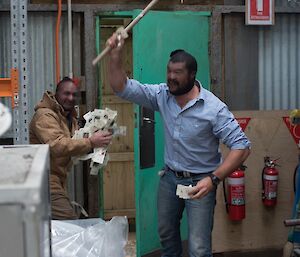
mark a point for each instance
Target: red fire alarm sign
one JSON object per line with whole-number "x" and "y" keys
{"x": 259, "y": 12}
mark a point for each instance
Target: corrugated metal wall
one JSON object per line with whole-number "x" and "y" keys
{"x": 5, "y": 55}
{"x": 5, "y": 45}
{"x": 279, "y": 64}
{"x": 241, "y": 74}
{"x": 262, "y": 63}
{"x": 278, "y": 3}
{"x": 41, "y": 57}
{"x": 287, "y": 3}
{"x": 41, "y": 64}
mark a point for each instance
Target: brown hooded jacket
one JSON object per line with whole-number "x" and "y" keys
{"x": 50, "y": 125}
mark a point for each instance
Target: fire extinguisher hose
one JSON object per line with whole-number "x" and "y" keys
{"x": 225, "y": 197}
{"x": 262, "y": 183}
{"x": 294, "y": 178}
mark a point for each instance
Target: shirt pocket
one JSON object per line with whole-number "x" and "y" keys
{"x": 194, "y": 130}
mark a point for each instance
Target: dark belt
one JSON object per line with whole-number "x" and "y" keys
{"x": 182, "y": 174}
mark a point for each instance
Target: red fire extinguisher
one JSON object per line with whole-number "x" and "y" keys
{"x": 269, "y": 182}
{"x": 236, "y": 194}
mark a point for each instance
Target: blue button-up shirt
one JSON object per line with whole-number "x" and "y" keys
{"x": 193, "y": 133}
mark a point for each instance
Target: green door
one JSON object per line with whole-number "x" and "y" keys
{"x": 154, "y": 37}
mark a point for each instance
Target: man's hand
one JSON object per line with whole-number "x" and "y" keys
{"x": 115, "y": 42}
{"x": 101, "y": 139}
{"x": 203, "y": 187}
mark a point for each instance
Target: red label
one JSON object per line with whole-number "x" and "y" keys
{"x": 294, "y": 129}
{"x": 270, "y": 189}
{"x": 243, "y": 122}
{"x": 260, "y": 9}
{"x": 237, "y": 195}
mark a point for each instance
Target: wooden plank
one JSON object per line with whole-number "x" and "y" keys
{"x": 121, "y": 157}
{"x": 113, "y": 99}
{"x": 129, "y": 213}
{"x": 269, "y": 137}
{"x": 119, "y": 186}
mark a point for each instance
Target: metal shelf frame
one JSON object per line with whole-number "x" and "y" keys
{"x": 18, "y": 12}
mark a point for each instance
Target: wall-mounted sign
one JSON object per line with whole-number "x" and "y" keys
{"x": 293, "y": 128}
{"x": 260, "y": 12}
{"x": 243, "y": 122}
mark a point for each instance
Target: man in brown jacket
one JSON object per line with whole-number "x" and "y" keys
{"x": 54, "y": 123}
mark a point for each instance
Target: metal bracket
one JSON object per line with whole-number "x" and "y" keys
{"x": 9, "y": 87}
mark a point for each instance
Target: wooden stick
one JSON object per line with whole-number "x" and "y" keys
{"x": 129, "y": 27}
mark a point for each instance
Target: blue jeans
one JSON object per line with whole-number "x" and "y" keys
{"x": 200, "y": 214}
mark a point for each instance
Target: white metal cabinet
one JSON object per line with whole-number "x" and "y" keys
{"x": 24, "y": 201}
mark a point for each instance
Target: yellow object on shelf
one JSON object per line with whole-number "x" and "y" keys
{"x": 295, "y": 116}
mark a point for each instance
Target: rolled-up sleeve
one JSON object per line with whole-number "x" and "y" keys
{"x": 227, "y": 129}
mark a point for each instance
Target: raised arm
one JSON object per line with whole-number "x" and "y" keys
{"x": 116, "y": 73}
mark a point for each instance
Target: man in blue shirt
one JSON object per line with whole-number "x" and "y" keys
{"x": 195, "y": 121}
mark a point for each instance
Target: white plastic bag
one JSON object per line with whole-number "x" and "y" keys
{"x": 89, "y": 237}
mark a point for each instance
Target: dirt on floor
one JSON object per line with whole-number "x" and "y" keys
{"x": 130, "y": 248}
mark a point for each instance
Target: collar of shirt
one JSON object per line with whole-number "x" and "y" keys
{"x": 201, "y": 95}
{"x": 198, "y": 84}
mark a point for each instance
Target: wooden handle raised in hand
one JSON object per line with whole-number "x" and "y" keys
{"x": 128, "y": 27}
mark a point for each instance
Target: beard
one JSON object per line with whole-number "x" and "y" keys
{"x": 181, "y": 89}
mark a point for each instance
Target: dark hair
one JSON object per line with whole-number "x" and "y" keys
{"x": 180, "y": 55}
{"x": 63, "y": 81}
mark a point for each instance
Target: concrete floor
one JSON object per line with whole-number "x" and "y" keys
{"x": 130, "y": 250}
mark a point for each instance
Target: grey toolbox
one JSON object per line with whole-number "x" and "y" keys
{"x": 24, "y": 201}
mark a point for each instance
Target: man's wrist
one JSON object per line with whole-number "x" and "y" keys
{"x": 91, "y": 142}
{"x": 214, "y": 179}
